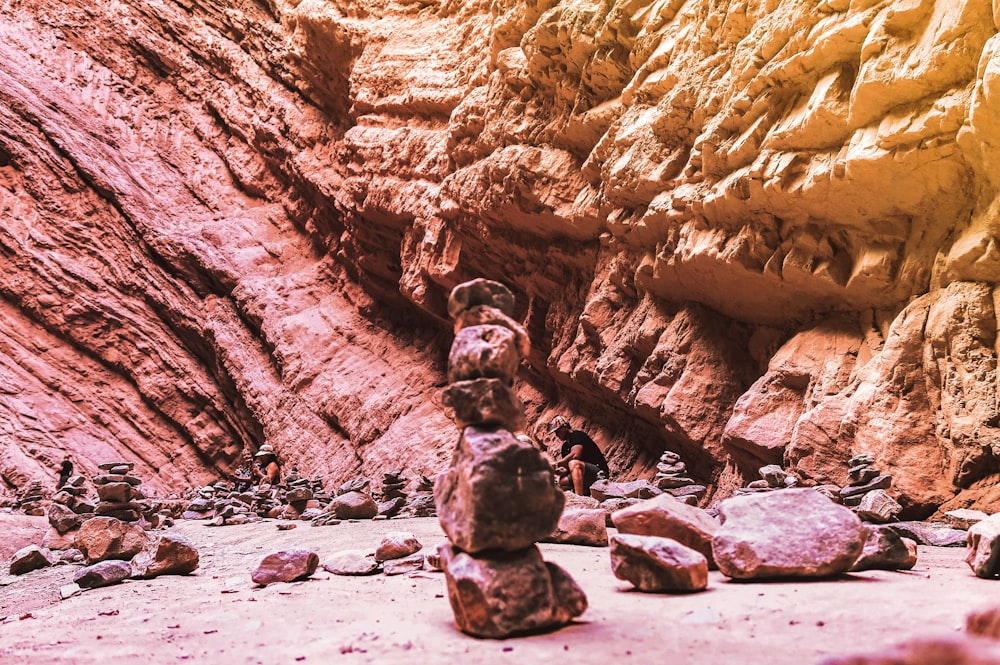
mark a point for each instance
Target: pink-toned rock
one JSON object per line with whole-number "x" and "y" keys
{"x": 54, "y": 540}
{"x": 946, "y": 650}
{"x": 667, "y": 517}
{"x": 499, "y": 493}
{"x": 396, "y": 545}
{"x": 885, "y": 549}
{"x": 878, "y": 507}
{"x": 482, "y": 402}
{"x": 62, "y": 518}
{"x": 508, "y": 593}
{"x": 984, "y": 623}
{"x": 30, "y": 558}
{"x": 353, "y": 506}
{"x": 166, "y": 554}
{"x": 581, "y": 526}
{"x": 103, "y": 573}
{"x": 403, "y": 565}
{"x": 480, "y": 292}
{"x": 102, "y": 538}
{"x": 488, "y": 351}
{"x": 485, "y": 315}
{"x": 786, "y": 533}
{"x": 351, "y": 562}
{"x": 285, "y": 566}
{"x": 983, "y": 545}
{"x": 657, "y": 564}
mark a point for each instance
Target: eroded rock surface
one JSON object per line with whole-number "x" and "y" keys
{"x": 752, "y": 233}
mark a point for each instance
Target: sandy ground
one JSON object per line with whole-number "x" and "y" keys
{"x": 218, "y": 616}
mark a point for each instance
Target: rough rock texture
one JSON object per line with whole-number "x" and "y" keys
{"x": 657, "y": 564}
{"x": 748, "y": 232}
{"x": 666, "y": 517}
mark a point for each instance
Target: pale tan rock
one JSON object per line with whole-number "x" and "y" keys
{"x": 666, "y": 517}
{"x": 983, "y": 547}
{"x": 396, "y": 545}
{"x": 657, "y": 564}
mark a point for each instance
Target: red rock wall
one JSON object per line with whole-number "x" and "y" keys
{"x": 747, "y": 231}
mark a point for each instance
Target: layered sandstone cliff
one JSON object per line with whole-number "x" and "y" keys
{"x": 749, "y": 231}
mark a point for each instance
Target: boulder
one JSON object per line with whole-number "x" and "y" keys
{"x": 508, "y": 593}
{"x": 167, "y": 554}
{"x": 878, "y": 507}
{"x": 353, "y": 506}
{"x": 103, "y": 573}
{"x": 478, "y": 292}
{"x": 667, "y": 517}
{"x": 285, "y": 566}
{"x": 787, "y": 533}
{"x": 485, "y": 402}
{"x": 403, "y": 565}
{"x": 983, "y": 554}
{"x": 102, "y": 538}
{"x": 396, "y": 545}
{"x": 885, "y": 549}
{"x": 30, "y": 558}
{"x": 499, "y": 493}
{"x": 63, "y": 519}
{"x": 351, "y": 562}
{"x": 657, "y": 564}
{"x": 581, "y": 526}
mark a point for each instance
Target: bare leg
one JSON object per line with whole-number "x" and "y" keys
{"x": 576, "y": 469}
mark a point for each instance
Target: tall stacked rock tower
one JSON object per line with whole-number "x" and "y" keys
{"x": 498, "y": 498}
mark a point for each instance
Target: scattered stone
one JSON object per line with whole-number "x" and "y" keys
{"x": 167, "y": 554}
{"x": 63, "y": 519}
{"x": 285, "y": 566}
{"x": 937, "y": 534}
{"x": 104, "y": 573}
{"x": 396, "y": 545}
{"x": 581, "y": 526}
{"x": 963, "y": 518}
{"x": 509, "y": 593}
{"x": 792, "y": 533}
{"x": 656, "y": 564}
{"x": 878, "y": 507}
{"x": 102, "y": 538}
{"x": 353, "y": 505}
{"x": 666, "y": 517}
{"x": 403, "y": 565}
{"x": 30, "y": 558}
{"x": 351, "y": 562}
{"x": 479, "y": 506}
{"x": 885, "y": 549}
{"x": 69, "y": 590}
{"x": 953, "y": 650}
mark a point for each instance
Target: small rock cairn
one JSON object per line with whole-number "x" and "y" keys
{"x": 772, "y": 477}
{"x": 30, "y": 499}
{"x": 73, "y": 495}
{"x": 671, "y": 478}
{"x": 498, "y": 497}
{"x": 118, "y": 492}
{"x": 866, "y": 491}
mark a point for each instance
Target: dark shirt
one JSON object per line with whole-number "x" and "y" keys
{"x": 591, "y": 453}
{"x": 66, "y": 468}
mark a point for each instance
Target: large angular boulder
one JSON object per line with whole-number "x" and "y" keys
{"x": 787, "y": 533}
{"x": 498, "y": 493}
{"x": 885, "y": 549}
{"x": 285, "y": 566}
{"x": 167, "y": 554}
{"x": 581, "y": 526}
{"x": 983, "y": 543}
{"x": 667, "y": 517}
{"x": 508, "y": 593}
{"x": 657, "y": 564}
{"x": 102, "y": 538}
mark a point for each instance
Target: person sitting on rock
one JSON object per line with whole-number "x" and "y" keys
{"x": 581, "y": 462}
{"x": 65, "y": 471}
{"x": 266, "y": 469}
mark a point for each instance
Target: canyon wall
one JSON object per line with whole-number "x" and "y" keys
{"x": 750, "y": 231}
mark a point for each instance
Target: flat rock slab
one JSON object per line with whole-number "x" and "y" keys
{"x": 667, "y": 517}
{"x": 936, "y": 534}
{"x": 786, "y": 533}
{"x": 658, "y": 565}
{"x": 509, "y": 593}
{"x": 351, "y": 562}
{"x": 407, "y": 564}
{"x": 285, "y": 566}
{"x": 104, "y": 573}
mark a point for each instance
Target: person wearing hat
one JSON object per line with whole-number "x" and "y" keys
{"x": 265, "y": 468}
{"x": 581, "y": 462}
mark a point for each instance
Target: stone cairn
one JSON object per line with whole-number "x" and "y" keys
{"x": 31, "y": 498}
{"x": 226, "y": 504}
{"x": 772, "y": 477}
{"x": 672, "y": 479}
{"x": 393, "y": 496}
{"x": 866, "y": 491}
{"x": 119, "y": 493}
{"x": 498, "y": 498}
{"x": 73, "y": 495}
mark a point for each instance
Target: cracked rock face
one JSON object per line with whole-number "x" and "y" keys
{"x": 748, "y": 232}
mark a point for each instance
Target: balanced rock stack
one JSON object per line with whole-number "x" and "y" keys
{"x": 420, "y": 502}
{"x": 498, "y": 498}
{"x": 118, "y": 492}
{"x": 31, "y": 497}
{"x": 671, "y": 477}
{"x": 772, "y": 477}
{"x": 866, "y": 491}
{"x": 393, "y": 496}
{"x": 73, "y": 495}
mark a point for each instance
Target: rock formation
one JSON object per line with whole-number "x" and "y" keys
{"x": 749, "y": 232}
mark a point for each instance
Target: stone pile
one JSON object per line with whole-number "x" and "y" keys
{"x": 31, "y": 498}
{"x": 225, "y": 503}
{"x": 671, "y": 477}
{"x": 866, "y": 491}
{"x": 420, "y": 502}
{"x": 772, "y": 477}
{"x": 393, "y": 496}
{"x": 498, "y": 498}
{"x": 73, "y": 496}
{"x": 118, "y": 492}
